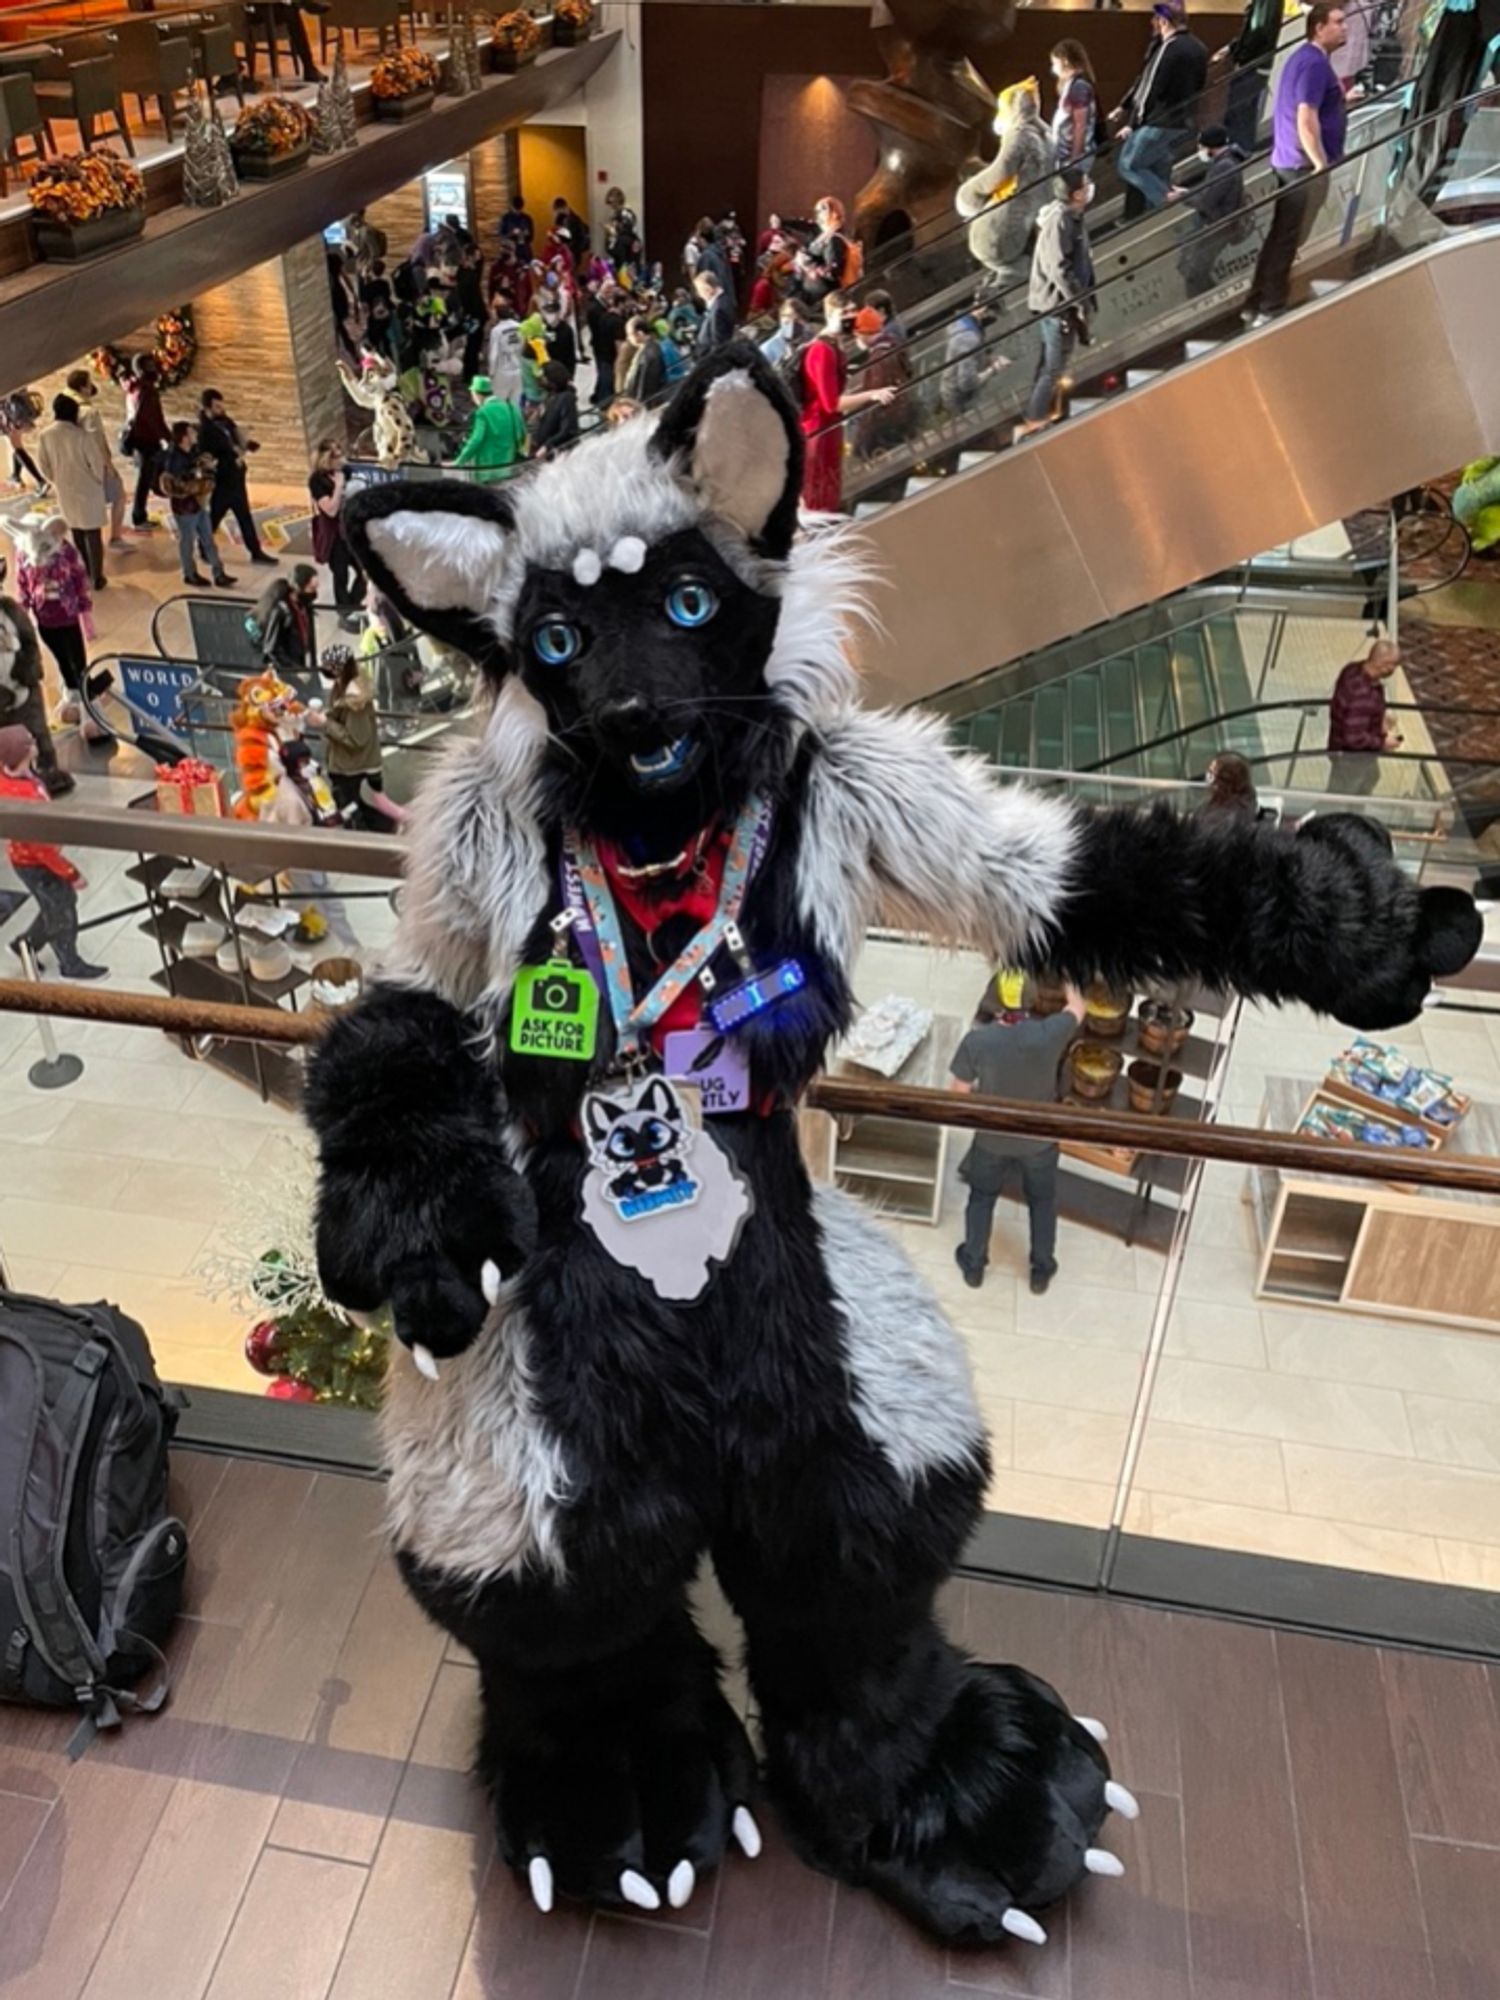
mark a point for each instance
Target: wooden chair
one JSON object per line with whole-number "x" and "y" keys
{"x": 150, "y": 62}
{"x": 85, "y": 91}
{"x": 352, "y": 16}
{"x": 20, "y": 118}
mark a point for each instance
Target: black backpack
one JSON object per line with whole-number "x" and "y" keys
{"x": 91, "y": 1561}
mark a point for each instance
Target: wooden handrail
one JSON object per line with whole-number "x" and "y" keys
{"x": 1244, "y": 1145}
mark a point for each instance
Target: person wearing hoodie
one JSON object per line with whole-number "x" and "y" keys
{"x": 53, "y": 584}
{"x": 558, "y": 425}
{"x": 43, "y": 870}
{"x": 503, "y": 354}
{"x": 23, "y": 697}
{"x": 1214, "y": 200}
{"x": 1003, "y": 200}
{"x": 1062, "y": 277}
{"x": 351, "y": 730}
{"x": 497, "y": 434}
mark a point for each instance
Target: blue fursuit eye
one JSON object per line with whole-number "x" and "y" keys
{"x": 691, "y": 604}
{"x": 555, "y": 642}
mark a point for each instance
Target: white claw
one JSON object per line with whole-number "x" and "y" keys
{"x": 1095, "y": 1729}
{"x": 636, "y": 1889}
{"x": 1099, "y": 1862}
{"x": 489, "y": 1281}
{"x": 1119, "y": 1800}
{"x": 746, "y": 1832}
{"x": 1020, "y": 1925}
{"x": 539, "y": 1873}
{"x": 680, "y": 1884}
{"x": 426, "y": 1365}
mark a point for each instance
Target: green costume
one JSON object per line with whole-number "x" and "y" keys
{"x": 497, "y": 438}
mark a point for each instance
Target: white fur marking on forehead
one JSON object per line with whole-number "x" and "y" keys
{"x": 628, "y": 555}
{"x": 587, "y": 568}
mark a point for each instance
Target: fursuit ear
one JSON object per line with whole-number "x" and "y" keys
{"x": 733, "y": 431}
{"x": 439, "y": 550}
{"x": 599, "y": 1114}
{"x": 660, "y": 1102}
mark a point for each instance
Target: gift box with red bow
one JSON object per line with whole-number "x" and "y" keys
{"x": 191, "y": 787}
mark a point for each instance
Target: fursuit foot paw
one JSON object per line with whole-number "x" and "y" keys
{"x": 632, "y": 1813}
{"x": 1000, "y": 1819}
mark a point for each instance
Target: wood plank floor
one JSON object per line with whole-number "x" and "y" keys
{"x": 1320, "y": 1821}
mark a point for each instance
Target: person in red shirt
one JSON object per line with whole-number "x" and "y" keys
{"x": 1357, "y": 728}
{"x": 45, "y": 871}
{"x": 827, "y": 397}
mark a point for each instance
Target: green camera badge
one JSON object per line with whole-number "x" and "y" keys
{"x": 554, "y": 1012}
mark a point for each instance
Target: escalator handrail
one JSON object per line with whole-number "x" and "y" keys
{"x": 1132, "y": 275}
{"x": 228, "y": 598}
{"x": 877, "y": 277}
{"x": 1307, "y": 705}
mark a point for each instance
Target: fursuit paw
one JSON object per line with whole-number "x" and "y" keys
{"x": 630, "y": 1816}
{"x": 1001, "y": 1818}
{"x": 439, "y": 1269}
{"x": 1406, "y": 938}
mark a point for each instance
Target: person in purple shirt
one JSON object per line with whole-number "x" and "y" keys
{"x": 1307, "y": 135}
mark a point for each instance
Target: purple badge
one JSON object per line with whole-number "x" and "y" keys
{"x": 709, "y": 1061}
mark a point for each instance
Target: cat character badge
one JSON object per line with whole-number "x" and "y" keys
{"x": 667, "y": 653}
{"x": 659, "y": 1194}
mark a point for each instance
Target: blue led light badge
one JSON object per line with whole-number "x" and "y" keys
{"x": 738, "y": 1004}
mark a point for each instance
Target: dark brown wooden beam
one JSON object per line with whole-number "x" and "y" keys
{"x": 1241, "y": 1144}
{"x": 185, "y": 251}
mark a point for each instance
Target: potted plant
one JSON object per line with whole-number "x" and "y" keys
{"x": 516, "y": 39}
{"x": 403, "y": 83}
{"x": 270, "y": 138}
{"x": 85, "y": 202}
{"x": 572, "y": 22}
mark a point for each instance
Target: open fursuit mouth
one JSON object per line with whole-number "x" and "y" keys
{"x": 667, "y": 761}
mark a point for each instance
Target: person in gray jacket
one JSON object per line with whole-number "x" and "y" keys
{"x": 1218, "y": 196}
{"x": 1000, "y": 228}
{"x": 1062, "y": 277}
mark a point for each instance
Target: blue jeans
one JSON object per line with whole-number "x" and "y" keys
{"x": 1145, "y": 163}
{"x": 195, "y": 536}
{"x": 1057, "y": 351}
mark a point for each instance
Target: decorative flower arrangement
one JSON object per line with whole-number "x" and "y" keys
{"x": 174, "y": 351}
{"x": 273, "y": 127}
{"x": 518, "y": 34}
{"x": 84, "y": 185}
{"x": 573, "y": 13}
{"x": 405, "y": 73}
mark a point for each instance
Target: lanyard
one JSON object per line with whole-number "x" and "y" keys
{"x": 596, "y": 924}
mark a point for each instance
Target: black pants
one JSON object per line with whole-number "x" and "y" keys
{"x": 231, "y": 496}
{"x": 346, "y": 787}
{"x": 348, "y": 577}
{"x": 89, "y": 543}
{"x": 22, "y": 461}
{"x": 56, "y": 921}
{"x": 148, "y": 471}
{"x": 1038, "y": 1172}
{"x": 65, "y": 644}
{"x": 1291, "y": 218}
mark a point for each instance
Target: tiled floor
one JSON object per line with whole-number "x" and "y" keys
{"x": 1319, "y": 1821}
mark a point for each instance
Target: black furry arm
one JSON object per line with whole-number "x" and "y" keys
{"x": 1323, "y": 915}
{"x": 417, "y": 1193}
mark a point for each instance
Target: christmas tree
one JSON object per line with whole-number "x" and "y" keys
{"x": 463, "y": 54}
{"x": 328, "y": 125}
{"x": 343, "y": 96}
{"x": 264, "y": 1261}
{"x": 208, "y": 176}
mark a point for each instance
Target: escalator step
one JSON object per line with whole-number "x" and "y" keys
{"x": 970, "y": 461}
{"x": 863, "y": 509}
{"x": 1196, "y": 349}
{"x": 1136, "y": 378}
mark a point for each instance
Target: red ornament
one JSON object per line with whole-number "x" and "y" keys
{"x": 262, "y": 1343}
{"x": 285, "y": 1390}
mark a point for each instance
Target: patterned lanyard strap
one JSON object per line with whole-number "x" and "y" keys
{"x": 596, "y": 923}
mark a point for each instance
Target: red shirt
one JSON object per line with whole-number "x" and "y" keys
{"x": 1356, "y": 715}
{"x": 650, "y": 903}
{"x": 33, "y": 853}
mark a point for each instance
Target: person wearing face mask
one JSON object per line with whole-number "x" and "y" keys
{"x": 793, "y": 331}
{"x": 1214, "y": 200}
